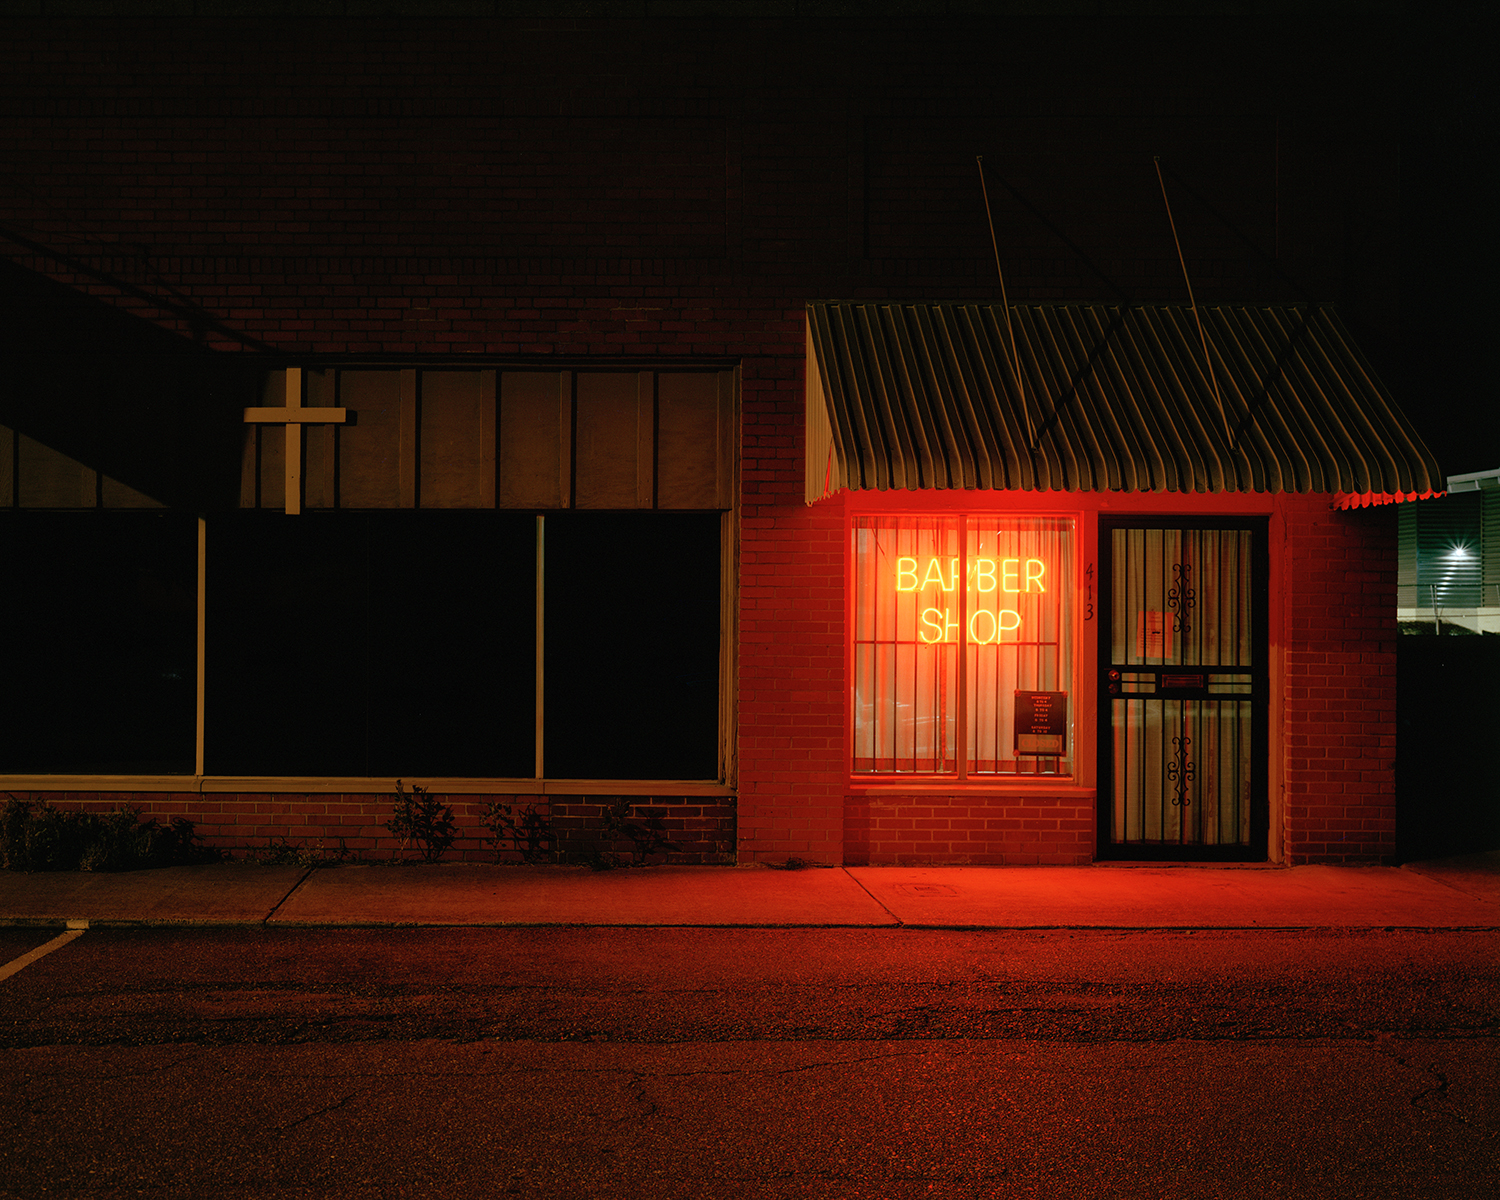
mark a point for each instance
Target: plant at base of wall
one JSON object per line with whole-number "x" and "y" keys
{"x": 528, "y": 832}
{"x": 422, "y": 820}
{"x": 42, "y": 837}
{"x": 646, "y": 834}
{"x": 281, "y": 853}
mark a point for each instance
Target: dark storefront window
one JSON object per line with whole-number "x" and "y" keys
{"x": 505, "y": 573}
{"x": 632, "y": 645}
{"x": 99, "y": 669}
{"x": 386, "y": 644}
{"x": 370, "y": 644}
{"x": 962, "y": 645}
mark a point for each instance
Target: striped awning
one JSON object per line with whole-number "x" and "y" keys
{"x": 1109, "y": 398}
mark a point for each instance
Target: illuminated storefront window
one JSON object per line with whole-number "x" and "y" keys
{"x": 962, "y": 645}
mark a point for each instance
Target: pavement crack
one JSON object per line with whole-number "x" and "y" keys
{"x": 327, "y": 1108}
{"x": 895, "y": 920}
{"x": 636, "y": 1087}
{"x": 306, "y": 875}
{"x": 1436, "y": 1090}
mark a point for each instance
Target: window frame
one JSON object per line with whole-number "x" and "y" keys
{"x": 1083, "y": 607}
{"x": 726, "y": 783}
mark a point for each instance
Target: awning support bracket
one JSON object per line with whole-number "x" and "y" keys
{"x": 1015, "y": 357}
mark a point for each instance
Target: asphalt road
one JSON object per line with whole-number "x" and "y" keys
{"x": 748, "y": 1063}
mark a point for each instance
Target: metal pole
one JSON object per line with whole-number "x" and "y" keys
{"x": 1192, "y": 303}
{"x": 1015, "y": 358}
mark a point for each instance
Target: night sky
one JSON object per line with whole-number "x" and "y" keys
{"x": 1425, "y": 319}
{"x": 1448, "y": 278}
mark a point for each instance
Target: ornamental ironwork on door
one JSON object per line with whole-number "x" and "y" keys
{"x": 1182, "y": 748}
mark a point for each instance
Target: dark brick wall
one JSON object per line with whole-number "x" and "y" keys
{"x": 562, "y": 187}
{"x": 700, "y": 828}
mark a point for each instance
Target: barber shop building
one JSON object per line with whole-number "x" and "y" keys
{"x": 841, "y": 441}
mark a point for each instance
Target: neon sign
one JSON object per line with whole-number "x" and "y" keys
{"x": 912, "y": 577}
{"x": 1009, "y": 576}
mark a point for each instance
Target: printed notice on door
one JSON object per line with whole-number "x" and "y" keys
{"x": 1041, "y": 724}
{"x": 1153, "y": 634}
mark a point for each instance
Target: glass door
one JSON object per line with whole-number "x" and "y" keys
{"x": 1183, "y": 690}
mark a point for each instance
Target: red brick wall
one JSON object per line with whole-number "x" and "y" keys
{"x": 1334, "y": 631}
{"x": 549, "y": 186}
{"x": 1339, "y": 695}
{"x": 998, "y": 830}
{"x": 791, "y": 651}
{"x": 1335, "y": 578}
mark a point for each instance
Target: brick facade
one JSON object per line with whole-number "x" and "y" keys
{"x": 791, "y": 651}
{"x": 1340, "y": 684}
{"x": 700, "y": 829}
{"x": 1025, "y": 828}
{"x": 403, "y": 190}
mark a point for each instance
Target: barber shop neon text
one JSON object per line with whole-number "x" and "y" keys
{"x": 1013, "y": 576}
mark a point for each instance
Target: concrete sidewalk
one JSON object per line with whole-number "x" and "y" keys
{"x": 1451, "y": 893}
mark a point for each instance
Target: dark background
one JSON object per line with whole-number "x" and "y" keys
{"x": 370, "y": 643}
{"x": 100, "y": 658}
{"x": 471, "y": 176}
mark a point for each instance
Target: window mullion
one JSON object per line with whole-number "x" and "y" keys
{"x": 199, "y": 674}
{"x": 541, "y": 583}
{"x": 962, "y": 586}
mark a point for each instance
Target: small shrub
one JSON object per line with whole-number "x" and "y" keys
{"x": 13, "y": 820}
{"x": 116, "y": 847}
{"x": 646, "y": 834}
{"x": 421, "y": 820}
{"x": 39, "y": 836}
{"x": 54, "y": 839}
{"x": 528, "y": 832}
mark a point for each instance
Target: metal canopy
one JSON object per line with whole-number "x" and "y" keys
{"x": 1112, "y": 398}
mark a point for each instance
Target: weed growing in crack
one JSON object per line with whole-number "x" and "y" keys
{"x": 281, "y": 853}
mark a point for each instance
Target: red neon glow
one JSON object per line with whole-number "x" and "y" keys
{"x": 1010, "y": 575}
{"x": 935, "y": 574}
{"x": 943, "y": 573}
{"x": 940, "y": 622}
{"x": 985, "y": 625}
{"x": 1006, "y": 620}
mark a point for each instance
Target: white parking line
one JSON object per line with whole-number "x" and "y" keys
{"x": 75, "y": 930}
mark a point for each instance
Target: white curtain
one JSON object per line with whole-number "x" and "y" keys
{"x": 924, "y": 591}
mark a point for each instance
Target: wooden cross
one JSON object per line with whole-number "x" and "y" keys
{"x": 294, "y": 416}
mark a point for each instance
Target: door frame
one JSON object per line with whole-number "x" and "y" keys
{"x": 1256, "y": 850}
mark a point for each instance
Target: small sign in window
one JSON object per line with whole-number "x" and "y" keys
{"x": 1153, "y": 634}
{"x": 1041, "y": 723}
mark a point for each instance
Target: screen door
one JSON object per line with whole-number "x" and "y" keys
{"x": 1183, "y": 690}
